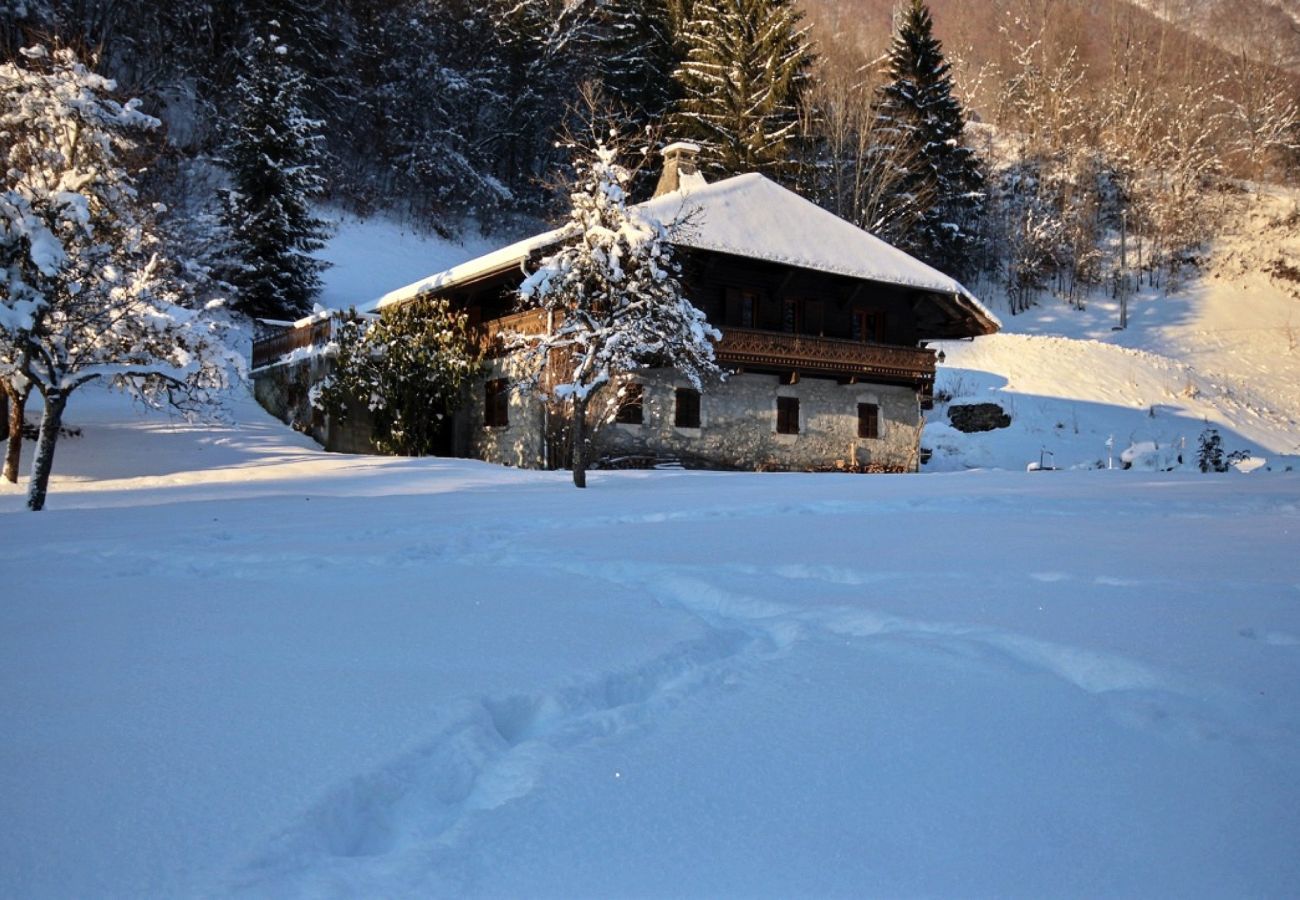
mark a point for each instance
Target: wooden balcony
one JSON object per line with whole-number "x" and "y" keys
{"x": 778, "y": 351}
{"x": 271, "y": 348}
{"x": 491, "y": 334}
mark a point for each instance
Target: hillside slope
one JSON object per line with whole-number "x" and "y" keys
{"x": 1221, "y": 349}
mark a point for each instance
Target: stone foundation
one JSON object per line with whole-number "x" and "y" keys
{"x": 737, "y": 427}
{"x": 282, "y": 389}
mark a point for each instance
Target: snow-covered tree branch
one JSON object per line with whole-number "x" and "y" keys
{"x": 616, "y": 298}
{"x": 84, "y": 293}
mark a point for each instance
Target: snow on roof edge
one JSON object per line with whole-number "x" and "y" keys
{"x": 480, "y": 265}
{"x": 520, "y": 250}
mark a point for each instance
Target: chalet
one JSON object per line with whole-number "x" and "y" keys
{"x": 824, "y": 331}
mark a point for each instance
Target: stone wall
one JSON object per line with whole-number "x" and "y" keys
{"x": 520, "y": 443}
{"x": 737, "y": 422}
{"x": 738, "y": 425}
{"x": 282, "y": 389}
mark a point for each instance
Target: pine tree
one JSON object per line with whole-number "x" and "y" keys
{"x": 635, "y": 52}
{"x": 84, "y": 293}
{"x": 746, "y": 65}
{"x": 273, "y": 162}
{"x": 409, "y": 367}
{"x": 938, "y": 196}
{"x": 617, "y": 297}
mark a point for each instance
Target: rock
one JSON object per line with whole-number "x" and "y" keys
{"x": 973, "y": 417}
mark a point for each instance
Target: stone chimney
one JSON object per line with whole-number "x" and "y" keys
{"x": 680, "y": 171}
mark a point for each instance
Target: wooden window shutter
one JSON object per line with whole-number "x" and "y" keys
{"x": 868, "y": 420}
{"x": 688, "y": 408}
{"x": 787, "y": 415}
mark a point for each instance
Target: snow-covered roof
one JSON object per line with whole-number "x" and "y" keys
{"x": 505, "y": 258}
{"x": 750, "y": 216}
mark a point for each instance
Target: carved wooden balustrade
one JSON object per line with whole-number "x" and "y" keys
{"x": 745, "y": 347}
{"x": 493, "y": 332}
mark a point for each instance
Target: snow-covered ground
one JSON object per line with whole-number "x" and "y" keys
{"x": 232, "y": 664}
{"x": 1220, "y": 350}
{"x": 370, "y": 257}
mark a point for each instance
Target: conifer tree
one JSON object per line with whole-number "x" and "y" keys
{"x": 272, "y": 158}
{"x": 635, "y": 51}
{"x": 616, "y": 293}
{"x": 746, "y": 65}
{"x": 938, "y": 196}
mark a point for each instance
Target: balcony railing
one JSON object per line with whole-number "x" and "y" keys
{"x": 492, "y": 333}
{"x": 746, "y": 347}
{"x": 739, "y": 347}
{"x": 269, "y": 349}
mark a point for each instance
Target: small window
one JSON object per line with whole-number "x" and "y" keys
{"x": 496, "y": 403}
{"x": 688, "y": 408}
{"x": 790, "y": 317}
{"x": 868, "y": 420}
{"x": 787, "y": 415}
{"x": 742, "y": 308}
{"x": 869, "y": 325}
{"x": 631, "y": 409}
{"x": 748, "y": 309}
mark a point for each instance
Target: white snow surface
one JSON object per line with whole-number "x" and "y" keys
{"x": 369, "y": 257}
{"x": 1220, "y": 349}
{"x": 234, "y": 665}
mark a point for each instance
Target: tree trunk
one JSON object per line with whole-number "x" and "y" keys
{"x": 55, "y": 403}
{"x": 580, "y": 442}
{"x": 16, "y": 402}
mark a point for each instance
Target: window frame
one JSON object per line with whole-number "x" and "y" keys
{"x": 868, "y": 421}
{"x": 631, "y": 405}
{"x": 693, "y": 405}
{"x": 496, "y": 403}
{"x": 787, "y": 415}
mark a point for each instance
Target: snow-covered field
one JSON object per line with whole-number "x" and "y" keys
{"x": 370, "y": 257}
{"x": 234, "y": 664}
{"x": 231, "y": 664}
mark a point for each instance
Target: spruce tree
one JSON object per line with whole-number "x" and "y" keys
{"x": 635, "y": 52}
{"x": 746, "y": 65}
{"x": 273, "y": 162}
{"x": 937, "y": 197}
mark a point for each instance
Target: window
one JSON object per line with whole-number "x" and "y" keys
{"x": 631, "y": 410}
{"x": 742, "y": 308}
{"x": 868, "y": 420}
{"x": 790, "y": 320}
{"x": 496, "y": 403}
{"x": 787, "y": 415}
{"x": 748, "y": 303}
{"x": 868, "y": 325}
{"x": 688, "y": 408}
